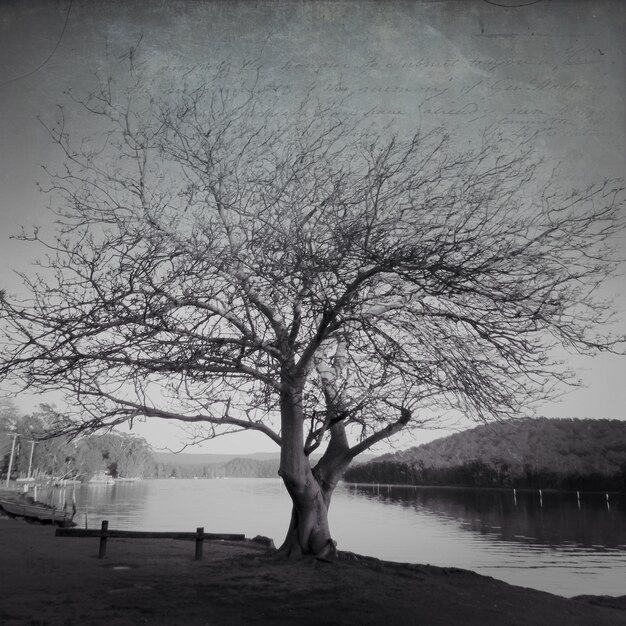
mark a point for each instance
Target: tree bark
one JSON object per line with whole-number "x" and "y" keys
{"x": 309, "y": 533}
{"x": 310, "y": 489}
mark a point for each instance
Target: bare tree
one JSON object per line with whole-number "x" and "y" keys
{"x": 312, "y": 279}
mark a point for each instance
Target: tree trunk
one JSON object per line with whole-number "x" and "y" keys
{"x": 310, "y": 489}
{"x": 310, "y": 493}
{"x": 308, "y": 532}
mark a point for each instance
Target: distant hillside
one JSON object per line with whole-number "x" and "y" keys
{"x": 189, "y": 465}
{"x": 258, "y": 465}
{"x": 583, "y": 454}
{"x": 190, "y": 458}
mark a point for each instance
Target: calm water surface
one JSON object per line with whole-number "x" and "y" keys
{"x": 551, "y": 544}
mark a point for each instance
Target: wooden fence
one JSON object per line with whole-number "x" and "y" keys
{"x": 104, "y": 534}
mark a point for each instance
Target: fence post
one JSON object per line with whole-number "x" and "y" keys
{"x": 103, "y": 539}
{"x": 199, "y": 543}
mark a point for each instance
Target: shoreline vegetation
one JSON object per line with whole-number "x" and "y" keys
{"x": 583, "y": 455}
{"x": 56, "y": 580}
{"x": 586, "y": 455}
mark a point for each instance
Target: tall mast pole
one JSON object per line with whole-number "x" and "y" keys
{"x": 11, "y": 458}
{"x": 30, "y": 461}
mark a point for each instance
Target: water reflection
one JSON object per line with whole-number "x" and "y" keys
{"x": 547, "y": 543}
{"x": 550, "y": 519}
{"x": 122, "y": 502}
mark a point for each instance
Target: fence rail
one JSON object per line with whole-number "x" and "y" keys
{"x": 104, "y": 533}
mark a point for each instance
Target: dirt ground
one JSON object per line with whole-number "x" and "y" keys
{"x": 57, "y": 580}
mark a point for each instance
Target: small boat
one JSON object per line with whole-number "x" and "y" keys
{"x": 35, "y": 512}
{"x": 101, "y": 479}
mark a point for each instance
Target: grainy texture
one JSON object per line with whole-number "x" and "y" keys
{"x": 56, "y": 580}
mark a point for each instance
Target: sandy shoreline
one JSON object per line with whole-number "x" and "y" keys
{"x": 58, "y": 580}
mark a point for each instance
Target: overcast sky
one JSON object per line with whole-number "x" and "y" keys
{"x": 551, "y": 73}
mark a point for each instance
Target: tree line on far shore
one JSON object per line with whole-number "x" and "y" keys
{"x": 114, "y": 454}
{"x": 540, "y": 453}
{"x": 233, "y": 468}
{"x": 119, "y": 455}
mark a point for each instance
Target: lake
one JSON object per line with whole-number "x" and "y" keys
{"x": 554, "y": 543}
